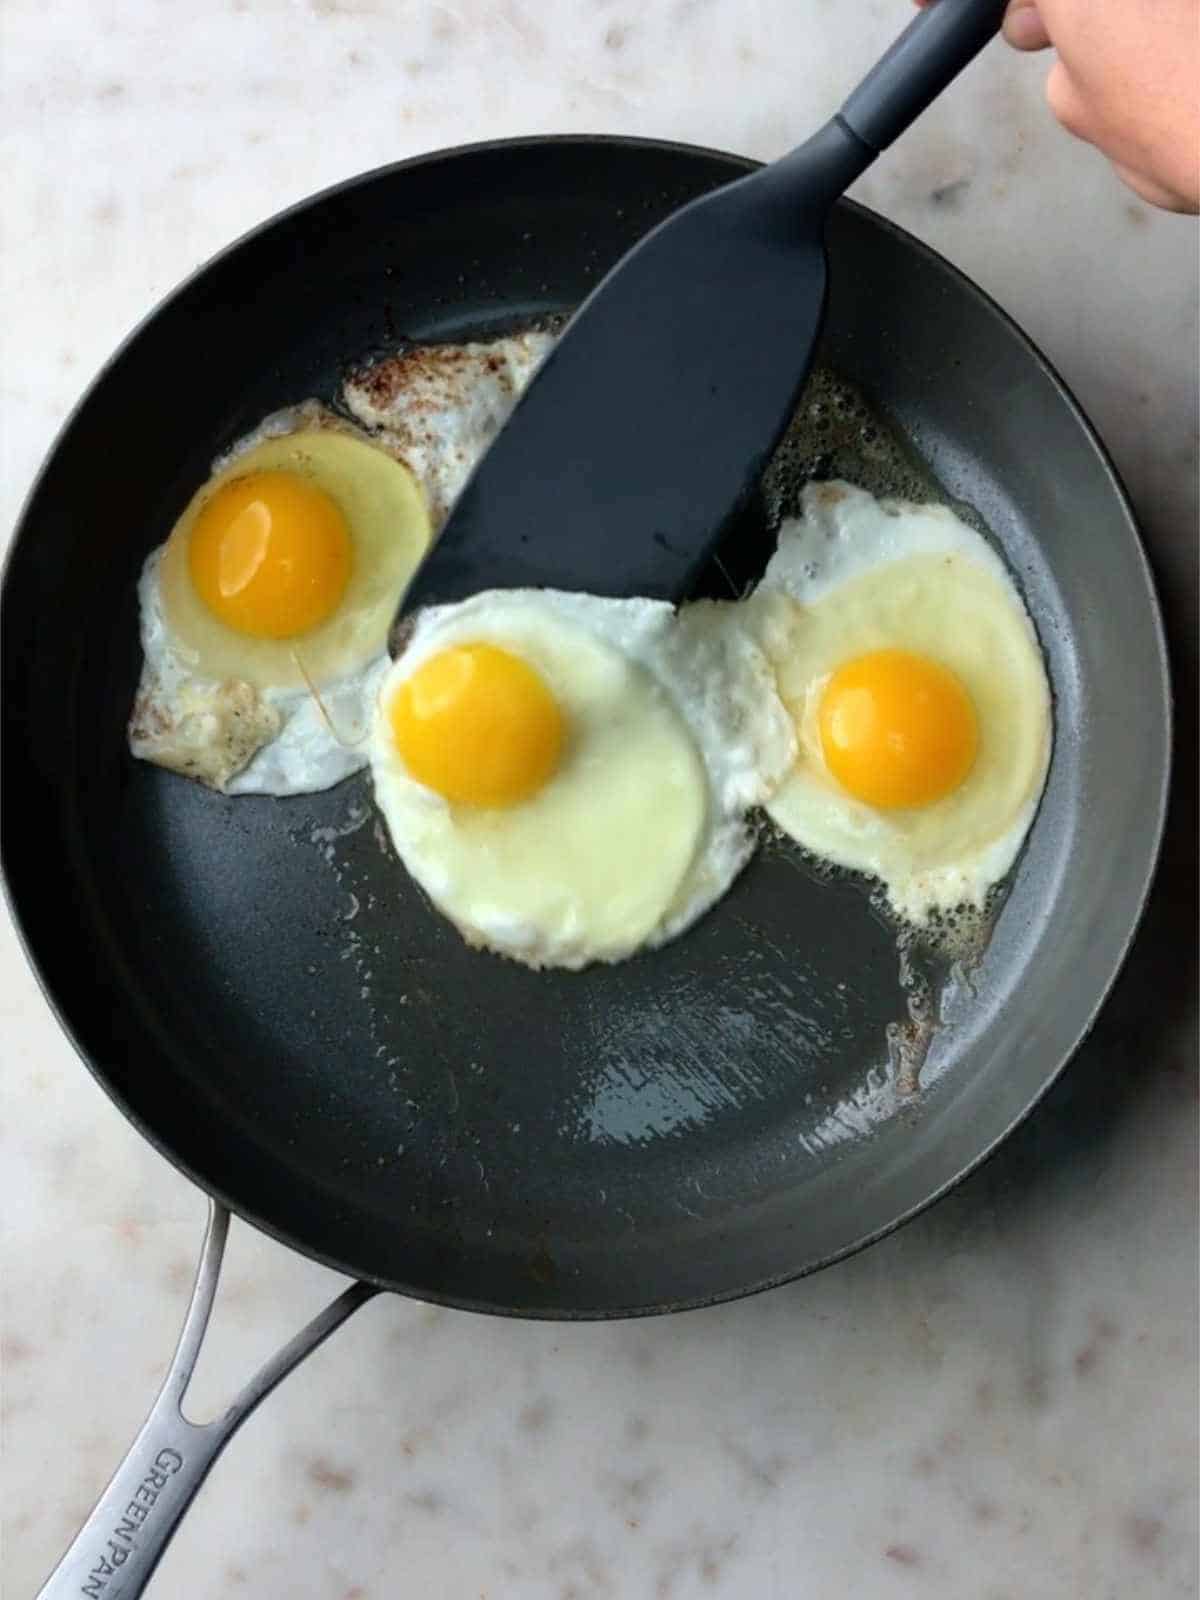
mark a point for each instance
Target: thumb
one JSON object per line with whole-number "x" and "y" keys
{"x": 1023, "y": 26}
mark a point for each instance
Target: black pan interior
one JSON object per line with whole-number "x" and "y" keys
{"x": 268, "y": 997}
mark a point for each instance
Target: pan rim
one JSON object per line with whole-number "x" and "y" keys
{"x": 1152, "y": 836}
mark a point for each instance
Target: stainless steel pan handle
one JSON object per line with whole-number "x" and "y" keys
{"x": 116, "y": 1551}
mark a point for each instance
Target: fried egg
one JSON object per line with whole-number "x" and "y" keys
{"x": 918, "y": 694}
{"x": 266, "y": 692}
{"x": 568, "y": 777}
{"x": 264, "y": 616}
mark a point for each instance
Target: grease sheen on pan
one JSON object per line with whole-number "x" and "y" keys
{"x": 919, "y": 695}
{"x": 568, "y": 777}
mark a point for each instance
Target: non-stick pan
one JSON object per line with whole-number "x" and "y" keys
{"x": 265, "y": 994}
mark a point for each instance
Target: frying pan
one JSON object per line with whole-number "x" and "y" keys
{"x": 267, "y": 997}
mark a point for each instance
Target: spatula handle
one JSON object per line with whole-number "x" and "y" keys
{"x": 931, "y": 51}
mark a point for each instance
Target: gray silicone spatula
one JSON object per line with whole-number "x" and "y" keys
{"x": 653, "y": 417}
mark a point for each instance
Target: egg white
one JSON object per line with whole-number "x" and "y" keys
{"x": 438, "y": 406}
{"x": 236, "y": 738}
{"x": 854, "y": 575}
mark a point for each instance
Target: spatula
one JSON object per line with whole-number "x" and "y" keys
{"x": 653, "y": 417}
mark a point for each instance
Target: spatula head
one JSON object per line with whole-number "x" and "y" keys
{"x": 655, "y": 414}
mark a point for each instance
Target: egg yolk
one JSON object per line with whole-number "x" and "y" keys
{"x": 477, "y": 725}
{"x": 270, "y": 555}
{"x": 897, "y": 729}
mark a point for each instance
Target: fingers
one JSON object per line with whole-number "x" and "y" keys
{"x": 1155, "y": 193}
{"x": 1023, "y": 26}
{"x": 1066, "y": 102}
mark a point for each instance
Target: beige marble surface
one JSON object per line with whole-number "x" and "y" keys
{"x": 1000, "y": 1402}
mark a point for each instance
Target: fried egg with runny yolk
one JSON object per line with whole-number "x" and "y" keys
{"x": 565, "y": 776}
{"x": 917, "y": 689}
{"x": 295, "y": 566}
{"x": 265, "y": 614}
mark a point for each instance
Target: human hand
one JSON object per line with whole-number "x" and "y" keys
{"x": 1127, "y": 80}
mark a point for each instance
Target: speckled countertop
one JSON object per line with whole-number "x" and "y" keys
{"x": 1000, "y": 1401}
